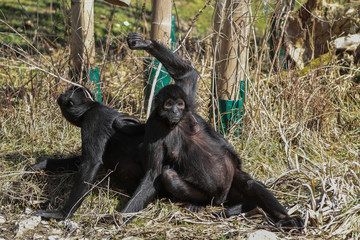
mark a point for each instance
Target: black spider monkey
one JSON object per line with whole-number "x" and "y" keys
{"x": 108, "y": 138}
{"x": 188, "y": 158}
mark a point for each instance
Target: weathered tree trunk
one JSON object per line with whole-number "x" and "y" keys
{"x": 161, "y": 21}
{"x": 231, "y": 62}
{"x": 82, "y": 36}
{"x": 231, "y": 26}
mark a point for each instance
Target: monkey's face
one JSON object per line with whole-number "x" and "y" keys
{"x": 74, "y": 103}
{"x": 173, "y": 110}
{"x": 171, "y": 104}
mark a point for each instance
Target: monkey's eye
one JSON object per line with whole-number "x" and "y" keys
{"x": 180, "y": 103}
{"x": 168, "y": 104}
{"x": 70, "y": 103}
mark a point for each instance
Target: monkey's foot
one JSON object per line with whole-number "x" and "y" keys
{"x": 290, "y": 223}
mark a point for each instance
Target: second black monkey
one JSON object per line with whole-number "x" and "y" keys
{"x": 109, "y": 138}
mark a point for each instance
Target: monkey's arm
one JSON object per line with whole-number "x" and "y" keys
{"x": 144, "y": 194}
{"x": 129, "y": 128}
{"x": 184, "y": 75}
{"x": 54, "y": 165}
{"x": 92, "y": 151}
{"x": 150, "y": 184}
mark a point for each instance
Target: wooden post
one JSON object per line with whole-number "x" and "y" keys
{"x": 231, "y": 21}
{"x": 82, "y": 37}
{"x": 161, "y": 21}
{"x": 231, "y": 55}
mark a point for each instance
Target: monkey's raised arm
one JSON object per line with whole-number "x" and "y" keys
{"x": 184, "y": 75}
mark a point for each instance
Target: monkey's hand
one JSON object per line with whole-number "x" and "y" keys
{"x": 34, "y": 167}
{"x": 137, "y": 42}
{"x": 54, "y": 214}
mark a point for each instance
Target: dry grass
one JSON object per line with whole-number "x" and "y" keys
{"x": 300, "y": 137}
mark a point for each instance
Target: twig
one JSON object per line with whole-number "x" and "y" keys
{"x": 152, "y": 92}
